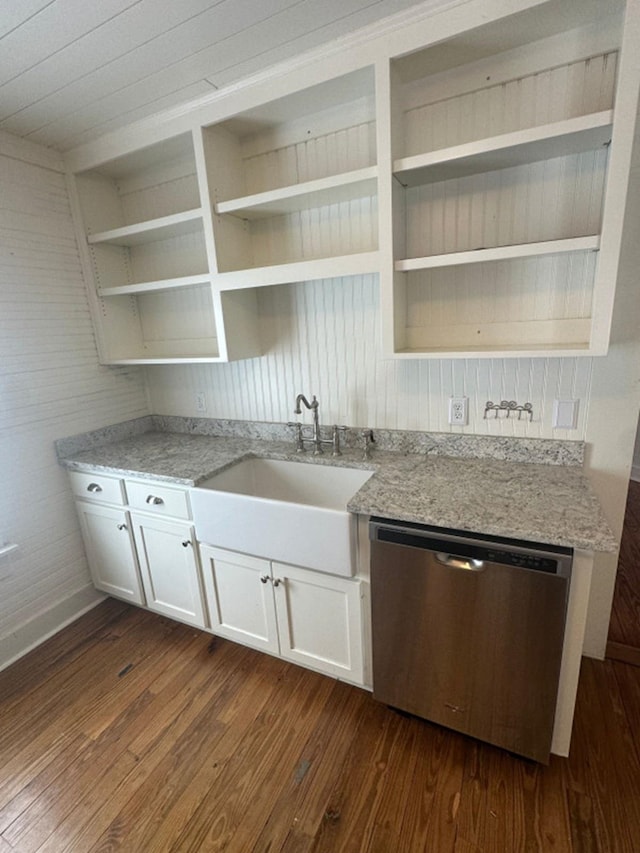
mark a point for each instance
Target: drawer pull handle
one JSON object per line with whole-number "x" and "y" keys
{"x": 122, "y": 527}
{"x": 154, "y": 500}
{"x": 264, "y": 578}
{"x": 277, "y": 581}
{"x": 94, "y": 487}
{"x": 186, "y": 543}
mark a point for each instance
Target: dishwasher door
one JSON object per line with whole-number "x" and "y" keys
{"x": 468, "y": 631}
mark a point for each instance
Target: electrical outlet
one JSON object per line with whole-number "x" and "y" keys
{"x": 459, "y": 411}
{"x": 201, "y": 402}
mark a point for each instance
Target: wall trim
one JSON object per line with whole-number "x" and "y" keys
{"x": 35, "y": 631}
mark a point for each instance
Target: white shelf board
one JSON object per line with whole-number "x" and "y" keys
{"x": 196, "y": 359}
{"x": 153, "y": 229}
{"x": 332, "y": 190}
{"x": 571, "y": 136}
{"x": 501, "y": 253}
{"x": 334, "y": 267}
{"x": 154, "y": 286}
{"x": 507, "y": 351}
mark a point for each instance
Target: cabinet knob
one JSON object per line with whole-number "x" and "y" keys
{"x": 277, "y": 581}
{"x": 122, "y": 527}
{"x": 151, "y": 499}
{"x": 264, "y": 578}
{"x": 186, "y": 543}
{"x": 94, "y": 487}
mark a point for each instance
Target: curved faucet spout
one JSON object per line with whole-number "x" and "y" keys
{"x": 313, "y": 405}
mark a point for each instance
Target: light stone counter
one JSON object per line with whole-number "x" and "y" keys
{"x": 551, "y": 503}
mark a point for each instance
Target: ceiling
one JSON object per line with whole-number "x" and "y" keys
{"x": 71, "y": 70}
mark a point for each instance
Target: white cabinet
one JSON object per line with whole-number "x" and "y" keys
{"x": 240, "y": 598}
{"x": 169, "y": 567}
{"x": 144, "y": 557}
{"x": 307, "y": 617}
{"x": 504, "y": 191}
{"x": 110, "y": 551}
{"x": 141, "y": 225}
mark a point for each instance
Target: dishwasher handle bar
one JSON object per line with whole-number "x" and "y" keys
{"x": 454, "y": 562}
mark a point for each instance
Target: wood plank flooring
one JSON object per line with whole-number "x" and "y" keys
{"x": 624, "y": 629}
{"x": 129, "y": 732}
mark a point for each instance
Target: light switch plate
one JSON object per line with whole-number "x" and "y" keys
{"x": 565, "y": 414}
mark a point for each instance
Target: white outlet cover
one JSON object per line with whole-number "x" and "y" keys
{"x": 458, "y": 411}
{"x": 565, "y": 414}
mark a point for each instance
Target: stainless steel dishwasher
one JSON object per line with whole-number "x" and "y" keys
{"x": 468, "y": 631}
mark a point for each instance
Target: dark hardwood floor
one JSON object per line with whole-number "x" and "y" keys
{"x": 624, "y": 629}
{"x": 130, "y": 732}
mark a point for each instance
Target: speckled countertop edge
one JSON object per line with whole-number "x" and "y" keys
{"x": 536, "y": 502}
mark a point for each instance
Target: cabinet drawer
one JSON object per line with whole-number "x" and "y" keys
{"x": 97, "y": 487}
{"x": 158, "y": 499}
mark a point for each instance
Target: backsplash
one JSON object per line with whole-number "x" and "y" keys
{"x": 323, "y": 338}
{"x": 512, "y": 449}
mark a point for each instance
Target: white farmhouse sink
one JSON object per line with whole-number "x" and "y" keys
{"x": 287, "y": 511}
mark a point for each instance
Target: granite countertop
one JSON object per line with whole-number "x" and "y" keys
{"x": 537, "y": 502}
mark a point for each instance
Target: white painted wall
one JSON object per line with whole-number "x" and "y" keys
{"x": 50, "y": 386}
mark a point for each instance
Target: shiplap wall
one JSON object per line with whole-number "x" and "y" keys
{"x": 323, "y": 338}
{"x": 50, "y": 386}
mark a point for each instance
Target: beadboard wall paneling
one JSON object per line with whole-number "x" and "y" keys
{"x": 323, "y": 338}
{"x": 51, "y": 385}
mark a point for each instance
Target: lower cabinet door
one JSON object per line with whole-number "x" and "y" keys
{"x": 240, "y": 598}
{"x": 319, "y": 621}
{"x": 169, "y": 568}
{"x": 110, "y": 551}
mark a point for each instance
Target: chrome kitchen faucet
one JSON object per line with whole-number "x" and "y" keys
{"x": 316, "y": 440}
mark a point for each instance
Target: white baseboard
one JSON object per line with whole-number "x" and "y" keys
{"x": 635, "y": 473}
{"x": 34, "y": 632}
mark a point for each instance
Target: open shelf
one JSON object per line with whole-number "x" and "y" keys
{"x": 335, "y": 267}
{"x": 163, "y": 228}
{"x": 571, "y": 136}
{"x": 151, "y": 286}
{"x": 501, "y": 253}
{"x": 331, "y": 190}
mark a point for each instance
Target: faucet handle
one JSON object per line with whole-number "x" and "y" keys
{"x": 367, "y": 440}
{"x": 335, "y": 439}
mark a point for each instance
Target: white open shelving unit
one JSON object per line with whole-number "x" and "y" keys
{"x": 146, "y": 249}
{"x": 479, "y": 167}
{"x": 502, "y": 197}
